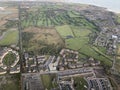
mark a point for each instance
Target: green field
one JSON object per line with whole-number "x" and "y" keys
{"x": 78, "y": 37}
{"x": 9, "y": 59}
{"x": 64, "y": 31}
{"x": 118, "y": 18}
{"x": 80, "y": 83}
{"x": 75, "y": 31}
{"x": 50, "y": 15}
{"x": 76, "y": 43}
{"x": 10, "y": 37}
{"x": 80, "y": 41}
{"x": 80, "y": 31}
{"x": 49, "y": 81}
{"x": 10, "y": 82}
{"x": 118, "y": 51}
{"x": 98, "y": 55}
{"x": 117, "y": 63}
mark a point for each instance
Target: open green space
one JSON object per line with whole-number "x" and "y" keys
{"x": 9, "y": 59}
{"x": 10, "y": 37}
{"x": 53, "y": 15}
{"x": 49, "y": 81}
{"x": 80, "y": 31}
{"x": 80, "y": 41}
{"x": 42, "y": 40}
{"x": 118, "y": 18}
{"x": 64, "y": 31}
{"x": 75, "y": 36}
{"x": 76, "y": 43}
{"x": 10, "y": 82}
{"x": 80, "y": 83}
{"x": 98, "y": 55}
{"x": 73, "y": 31}
{"x": 118, "y": 51}
{"x": 117, "y": 63}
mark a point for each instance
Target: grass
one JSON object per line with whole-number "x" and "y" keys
{"x": 9, "y": 59}
{"x": 10, "y": 86}
{"x": 79, "y": 36}
{"x": 75, "y": 31}
{"x": 76, "y": 43}
{"x": 117, "y": 64}
{"x": 80, "y": 31}
{"x": 102, "y": 49}
{"x": 118, "y": 52}
{"x": 36, "y": 38}
{"x": 64, "y": 31}
{"x": 80, "y": 83}
{"x": 118, "y": 18}
{"x": 12, "y": 82}
{"x": 101, "y": 53}
{"x": 51, "y": 16}
{"x": 113, "y": 83}
{"x": 90, "y": 52}
{"x": 49, "y": 81}
{"x": 80, "y": 42}
{"x": 11, "y": 37}
{"x": 73, "y": 14}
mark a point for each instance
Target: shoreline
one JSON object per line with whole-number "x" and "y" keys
{"x": 108, "y": 7}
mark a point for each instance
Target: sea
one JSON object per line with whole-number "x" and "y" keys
{"x": 111, "y": 5}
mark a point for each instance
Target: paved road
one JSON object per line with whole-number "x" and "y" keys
{"x": 72, "y": 72}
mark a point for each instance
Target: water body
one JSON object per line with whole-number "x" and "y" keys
{"x": 112, "y": 5}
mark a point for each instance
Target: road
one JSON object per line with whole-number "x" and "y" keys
{"x": 20, "y": 38}
{"x": 114, "y": 57}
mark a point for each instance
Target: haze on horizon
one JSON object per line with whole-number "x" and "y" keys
{"x": 112, "y": 5}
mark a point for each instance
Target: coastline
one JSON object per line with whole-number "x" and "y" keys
{"x": 109, "y": 5}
